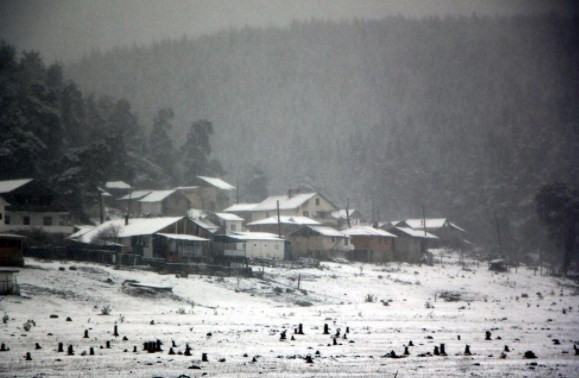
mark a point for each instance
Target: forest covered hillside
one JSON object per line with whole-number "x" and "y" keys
{"x": 467, "y": 116}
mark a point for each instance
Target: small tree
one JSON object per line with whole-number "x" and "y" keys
{"x": 558, "y": 209}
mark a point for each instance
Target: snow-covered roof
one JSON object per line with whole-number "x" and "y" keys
{"x": 285, "y": 202}
{"x": 183, "y": 237}
{"x": 82, "y": 229}
{"x": 416, "y": 233}
{"x": 341, "y": 214}
{"x": 217, "y": 182}
{"x": 136, "y": 194}
{"x": 157, "y": 195}
{"x": 229, "y": 217}
{"x": 253, "y": 236}
{"x": 240, "y": 207}
{"x": 136, "y": 227}
{"x": 117, "y": 185}
{"x": 455, "y": 226}
{"x": 328, "y": 231}
{"x": 205, "y": 224}
{"x": 10, "y": 185}
{"x": 195, "y": 213}
{"x": 284, "y": 219}
{"x": 430, "y": 223}
{"x": 367, "y": 231}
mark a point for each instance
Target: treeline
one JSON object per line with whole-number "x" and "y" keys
{"x": 74, "y": 142}
{"x": 468, "y": 116}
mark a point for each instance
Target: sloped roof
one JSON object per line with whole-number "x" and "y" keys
{"x": 328, "y": 231}
{"x": 229, "y": 217}
{"x": 136, "y": 194}
{"x": 430, "y": 223}
{"x": 285, "y": 202}
{"x": 10, "y": 185}
{"x": 136, "y": 227}
{"x": 284, "y": 219}
{"x": 416, "y": 233}
{"x": 367, "y": 231}
{"x": 117, "y": 185}
{"x": 240, "y": 207}
{"x": 341, "y": 214}
{"x": 157, "y": 195}
{"x": 205, "y": 224}
{"x": 253, "y": 236}
{"x": 183, "y": 237}
{"x": 217, "y": 182}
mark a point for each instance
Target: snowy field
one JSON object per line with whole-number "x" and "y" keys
{"x": 237, "y": 322}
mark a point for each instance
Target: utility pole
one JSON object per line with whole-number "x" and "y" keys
{"x": 101, "y": 205}
{"x": 348, "y": 212}
{"x": 424, "y": 219}
{"x": 499, "y": 235}
{"x": 278, "y": 221}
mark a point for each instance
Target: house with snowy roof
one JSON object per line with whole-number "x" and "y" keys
{"x": 448, "y": 233}
{"x": 319, "y": 242}
{"x": 227, "y": 222}
{"x": 411, "y": 245}
{"x": 370, "y": 244}
{"x": 312, "y": 205}
{"x": 155, "y": 203}
{"x": 166, "y": 238}
{"x": 117, "y": 189}
{"x": 342, "y": 217}
{"x": 28, "y": 204}
{"x": 251, "y": 245}
{"x": 209, "y": 193}
{"x": 285, "y": 224}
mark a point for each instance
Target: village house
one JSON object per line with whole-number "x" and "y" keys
{"x": 166, "y": 238}
{"x": 117, "y": 189}
{"x": 448, "y": 233}
{"x": 285, "y": 224}
{"x": 342, "y": 217}
{"x": 311, "y": 205}
{"x": 208, "y": 193}
{"x": 410, "y": 245}
{"x": 227, "y": 222}
{"x": 27, "y": 204}
{"x": 155, "y": 203}
{"x": 319, "y": 242}
{"x": 252, "y": 245}
{"x": 11, "y": 250}
{"x": 370, "y": 244}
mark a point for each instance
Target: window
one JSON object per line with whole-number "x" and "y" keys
{"x": 7, "y": 219}
{"x": 317, "y": 202}
{"x": 26, "y": 220}
{"x": 345, "y": 241}
{"x": 306, "y": 213}
{"x": 1, "y": 216}
{"x": 47, "y": 221}
{"x": 232, "y": 227}
{"x": 63, "y": 220}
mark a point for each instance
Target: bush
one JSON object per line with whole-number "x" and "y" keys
{"x": 5, "y": 318}
{"x": 181, "y": 311}
{"x": 106, "y": 310}
{"x": 370, "y": 298}
{"x": 28, "y": 325}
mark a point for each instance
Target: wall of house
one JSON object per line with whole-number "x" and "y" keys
{"x": 318, "y": 246}
{"x": 52, "y": 222}
{"x": 175, "y": 205}
{"x": 265, "y": 249}
{"x": 152, "y": 208}
{"x": 320, "y": 209}
{"x": 380, "y": 249}
{"x": 408, "y": 249}
{"x": 2, "y": 213}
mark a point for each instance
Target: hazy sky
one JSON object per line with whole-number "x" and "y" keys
{"x": 65, "y": 29}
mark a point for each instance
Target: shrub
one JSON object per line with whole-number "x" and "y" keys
{"x": 370, "y": 298}
{"x": 181, "y": 311}
{"x": 5, "y": 318}
{"x": 28, "y": 325}
{"x": 106, "y": 310}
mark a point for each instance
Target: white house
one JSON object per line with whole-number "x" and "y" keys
{"x": 285, "y": 223}
{"x": 228, "y": 222}
{"x": 252, "y": 245}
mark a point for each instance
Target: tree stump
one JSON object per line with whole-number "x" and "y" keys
{"x": 204, "y": 357}
{"x": 326, "y": 329}
{"x": 300, "y": 329}
{"x": 85, "y": 334}
{"x": 488, "y": 335}
{"x": 91, "y": 351}
{"x": 70, "y": 350}
{"x": 410, "y": 343}
{"x": 309, "y": 360}
{"x": 116, "y": 331}
{"x": 108, "y": 345}
{"x": 467, "y": 351}
{"x": 3, "y": 348}
{"x": 282, "y": 336}
{"x": 38, "y": 346}
{"x": 335, "y": 341}
{"x": 173, "y": 344}
{"x": 28, "y": 356}
{"x": 436, "y": 351}
{"x": 507, "y": 348}
{"x": 158, "y": 346}
{"x": 135, "y": 349}
{"x": 406, "y": 351}
{"x": 60, "y": 347}
{"x": 347, "y": 329}
{"x": 171, "y": 352}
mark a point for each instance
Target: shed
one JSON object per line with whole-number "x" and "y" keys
{"x": 319, "y": 242}
{"x": 8, "y": 282}
{"x": 370, "y": 244}
{"x": 11, "y": 247}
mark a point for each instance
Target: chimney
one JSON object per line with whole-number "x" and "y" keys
{"x": 126, "y": 219}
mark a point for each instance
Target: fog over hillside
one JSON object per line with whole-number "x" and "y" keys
{"x": 466, "y": 115}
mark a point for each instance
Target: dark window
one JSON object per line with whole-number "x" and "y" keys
{"x": 317, "y": 202}
{"x": 7, "y": 219}
{"x": 26, "y": 220}
{"x": 47, "y": 221}
{"x": 1, "y": 216}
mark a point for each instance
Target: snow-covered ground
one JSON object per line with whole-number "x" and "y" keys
{"x": 235, "y": 319}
